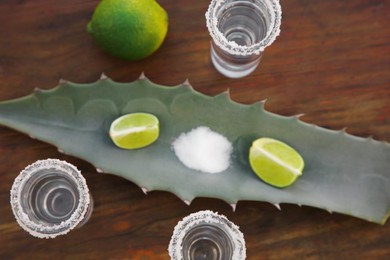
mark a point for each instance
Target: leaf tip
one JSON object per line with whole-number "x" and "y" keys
{"x": 103, "y": 76}
{"x": 187, "y": 84}
{"x": 188, "y": 202}
{"x": 227, "y": 93}
{"x": 371, "y": 139}
{"x": 298, "y": 116}
{"x": 277, "y": 205}
{"x": 99, "y": 170}
{"x": 62, "y": 82}
{"x": 261, "y": 103}
{"x": 224, "y": 95}
{"x": 142, "y": 76}
{"x": 343, "y": 131}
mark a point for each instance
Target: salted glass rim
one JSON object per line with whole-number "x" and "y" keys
{"x": 40, "y": 230}
{"x": 233, "y": 48}
{"x": 206, "y": 217}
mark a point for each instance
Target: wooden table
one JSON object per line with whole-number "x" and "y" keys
{"x": 331, "y": 62}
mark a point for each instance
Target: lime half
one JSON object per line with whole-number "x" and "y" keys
{"x": 134, "y": 130}
{"x": 275, "y": 162}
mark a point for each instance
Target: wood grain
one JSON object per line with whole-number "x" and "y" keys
{"x": 331, "y": 62}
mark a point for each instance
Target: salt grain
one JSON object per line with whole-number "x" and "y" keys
{"x": 203, "y": 150}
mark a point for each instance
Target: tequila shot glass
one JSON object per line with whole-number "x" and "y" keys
{"x": 206, "y": 235}
{"x": 240, "y": 31}
{"x": 50, "y": 197}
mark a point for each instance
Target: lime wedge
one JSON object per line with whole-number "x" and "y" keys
{"x": 133, "y": 131}
{"x": 275, "y": 162}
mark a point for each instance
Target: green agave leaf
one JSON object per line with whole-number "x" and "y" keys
{"x": 343, "y": 173}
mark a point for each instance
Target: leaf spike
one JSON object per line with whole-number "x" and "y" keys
{"x": 225, "y": 94}
{"x": 261, "y": 104}
{"x": 344, "y": 130}
{"x": 62, "y": 81}
{"x": 277, "y": 205}
{"x": 188, "y": 202}
{"x": 103, "y": 76}
{"x": 186, "y": 82}
{"x": 234, "y": 206}
{"x": 99, "y": 170}
{"x": 37, "y": 89}
{"x": 298, "y": 116}
{"x": 60, "y": 150}
{"x": 144, "y": 190}
{"x": 330, "y": 212}
{"x": 142, "y": 76}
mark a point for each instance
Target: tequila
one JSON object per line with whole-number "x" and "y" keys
{"x": 240, "y": 31}
{"x": 49, "y": 198}
{"x": 206, "y": 235}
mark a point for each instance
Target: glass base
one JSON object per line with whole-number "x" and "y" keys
{"x": 231, "y": 67}
{"x": 206, "y": 235}
{"x": 50, "y": 197}
{"x": 207, "y": 241}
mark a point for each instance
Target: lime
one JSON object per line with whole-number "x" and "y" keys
{"x": 275, "y": 162}
{"x": 129, "y": 29}
{"x": 134, "y": 130}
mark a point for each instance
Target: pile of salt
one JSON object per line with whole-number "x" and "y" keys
{"x": 203, "y": 150}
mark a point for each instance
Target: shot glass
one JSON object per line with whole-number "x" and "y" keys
{"x": 240, "y": 31}
{"x": 206, "y": 235}
{"x": 50, "y": 197}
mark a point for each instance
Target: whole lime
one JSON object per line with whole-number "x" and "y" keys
{"x": 129, "y": 29}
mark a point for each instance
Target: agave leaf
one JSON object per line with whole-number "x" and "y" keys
{"x": 343, "y": 173}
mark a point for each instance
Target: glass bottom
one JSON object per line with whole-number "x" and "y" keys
{"x": 207, "y": 242}
{"x": 233, "y": 67}
{"x": 206, "y": 235}
{"x": 50, "y": 198}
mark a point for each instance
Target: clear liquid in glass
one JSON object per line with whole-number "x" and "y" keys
{"x": 207, "y": 241}
{"x": 244, "y": 24}
{"x": 50, "y": 197}
{"x": 206, "y": 235}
